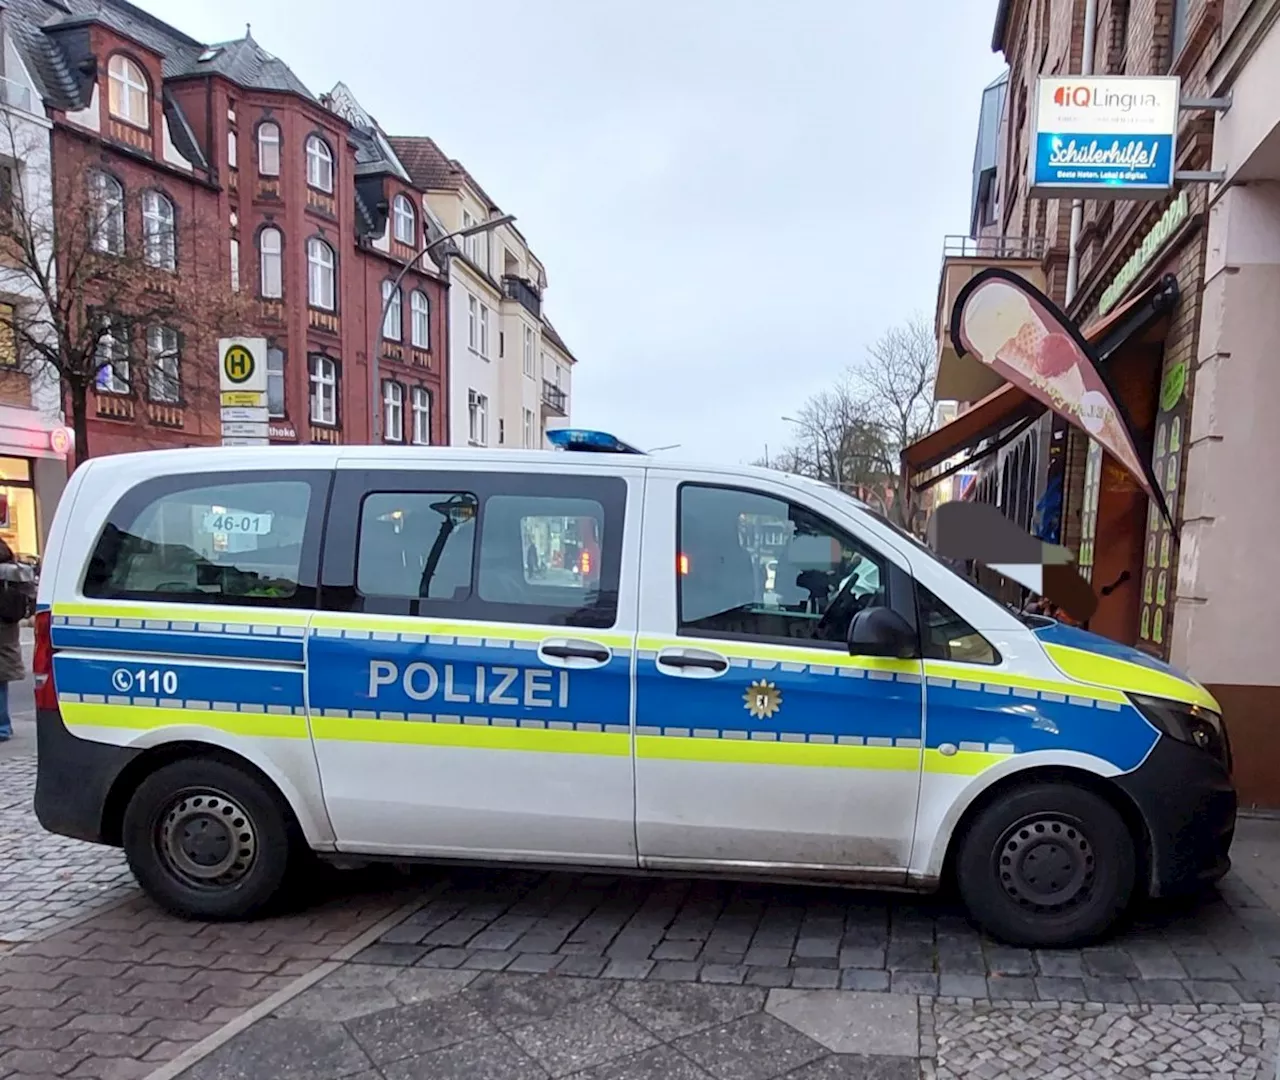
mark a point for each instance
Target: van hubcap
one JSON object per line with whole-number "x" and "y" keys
{"x": 1046, "y": 863}
{"x": 207, "y": 839}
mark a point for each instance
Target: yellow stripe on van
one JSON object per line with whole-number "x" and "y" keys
{"x": 1098, "y": 670}
{"x": 962, "y": 762}
{"x": 790, "y": 654}
{"x": 407, "y": 624}
{"x": 192, "y": 613}
{"x": 147, "y": 718}
{"x": 752, "y": 752}
{"x": 471, "y": 736}
{"x": 976, "y": 673}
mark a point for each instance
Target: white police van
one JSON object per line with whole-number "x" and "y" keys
{"x": 573, "y": 659}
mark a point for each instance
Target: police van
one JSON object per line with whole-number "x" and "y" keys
{"x": 593, "y": 658}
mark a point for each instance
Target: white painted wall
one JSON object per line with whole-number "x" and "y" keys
{"x": 24, "y": 141}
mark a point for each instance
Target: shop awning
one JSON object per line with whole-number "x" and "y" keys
{"x": 1009, "y": 404}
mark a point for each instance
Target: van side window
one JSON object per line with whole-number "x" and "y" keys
{"x": 541, "y": 551}
{"x": 480, "y": 546}
{"x": 416, "y": 544}
{"x": 754, "y": 566}
{"x": 945, "y": 635}
{"x": 234, "y": 541}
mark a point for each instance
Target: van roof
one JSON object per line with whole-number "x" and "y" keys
{"x": 191, "y": 459}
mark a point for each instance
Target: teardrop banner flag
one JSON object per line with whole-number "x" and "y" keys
{"x": 1024, "y": 337}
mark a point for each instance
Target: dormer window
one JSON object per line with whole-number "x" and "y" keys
{"x": 319, "y": 164}
{"x": 405, "y": 221}
{"x": 128, "y": 92}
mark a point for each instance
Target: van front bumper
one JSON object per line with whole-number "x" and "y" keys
{"x": 1188, "y": 805}
{"x": 74, "y": 778}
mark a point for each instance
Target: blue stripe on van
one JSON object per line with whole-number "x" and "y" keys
{"x": 176, "y": 643}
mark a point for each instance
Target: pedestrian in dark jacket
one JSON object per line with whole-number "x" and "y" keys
{"x": 17, "y": 577}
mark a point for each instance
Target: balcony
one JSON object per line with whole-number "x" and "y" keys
{"x": 523, "y": 293}
{"x": 555, "y": 402}
{"x": 963, "y": 257}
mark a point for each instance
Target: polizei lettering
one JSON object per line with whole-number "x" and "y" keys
{"x": 531, "y": 688}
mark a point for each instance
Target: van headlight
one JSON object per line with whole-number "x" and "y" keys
{"x": 1190, "y": 724}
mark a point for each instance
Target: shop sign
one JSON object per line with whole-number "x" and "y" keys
{"x": 60, "y": 440}
{"x": 1107, "y": 137}
{"x": 282, "y": 430}
{"x": 1151, "y": 244}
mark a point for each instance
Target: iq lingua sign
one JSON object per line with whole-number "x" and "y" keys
{"x": 1104, "y": 138}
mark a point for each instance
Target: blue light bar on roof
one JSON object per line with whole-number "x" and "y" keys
{"x": 596, "y": 442}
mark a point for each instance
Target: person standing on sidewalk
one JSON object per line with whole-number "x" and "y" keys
{"x": 17, "y": 603}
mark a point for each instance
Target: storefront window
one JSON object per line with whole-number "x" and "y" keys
{"x": 18, "y": 507}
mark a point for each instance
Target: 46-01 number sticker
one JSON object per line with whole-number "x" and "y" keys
{"x": 240, "y": 522}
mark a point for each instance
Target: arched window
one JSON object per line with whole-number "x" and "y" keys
{"x": 321, "y": 264}
{"x": 268, "y": 149}
{"x": 393, "y": 320}
{"x": 420, "y": 320}
{"x": 271, "y": 260}
{"x": 319, "y": 164}
{"x": 107, "y": 195}
{"x": 127, "y": 91}
{"x": 159, "y": 239}
{"x": 405, "y": 221}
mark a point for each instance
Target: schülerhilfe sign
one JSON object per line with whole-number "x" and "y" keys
{"x": 1110, "y": 137}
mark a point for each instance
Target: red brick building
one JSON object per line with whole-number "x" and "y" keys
{"x": 300, "y": 207}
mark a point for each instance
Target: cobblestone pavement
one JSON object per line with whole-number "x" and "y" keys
{"x": 120, "y": 993}
{"x": 1216, "y": 950}
{"x": 46, "y": 880}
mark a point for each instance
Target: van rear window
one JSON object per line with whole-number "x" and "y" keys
{"x": 231, "y": 542}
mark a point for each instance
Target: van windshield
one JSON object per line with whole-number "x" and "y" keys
{"x": 1035, "y": 622}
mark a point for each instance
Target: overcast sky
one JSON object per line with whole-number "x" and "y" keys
{"x": 732, "y": 198}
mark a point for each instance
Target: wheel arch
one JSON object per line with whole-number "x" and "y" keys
{"x": 1082, "y": 778}
{"x": 166, "y": 753}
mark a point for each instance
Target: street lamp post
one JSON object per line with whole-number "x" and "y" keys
{"x": 812, "y": 429}
{"x": 375, "y": 397}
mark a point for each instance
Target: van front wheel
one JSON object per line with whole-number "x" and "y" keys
{"x": 1047, "y": 865}
{"x": 206, "y": 840}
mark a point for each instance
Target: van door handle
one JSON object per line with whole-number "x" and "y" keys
{"x": 692, "y": 663}
{"x": 567, "y": 652}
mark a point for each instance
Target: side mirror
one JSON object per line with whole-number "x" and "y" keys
{"x": 881, "y": 631}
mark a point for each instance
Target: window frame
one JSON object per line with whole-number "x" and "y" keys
{"x": 423, "y": 340}
{"x": 392, "y": 409}
{"x": 477, "y": 406}
{"x": 319, "y": 150}
{"x": 274, "y": 373}
{"x": 530, "y": 353}
{"x": 415, "y": 395}
{"x": 314, "y": 379}
{"x": 278, "y": 256}
{"x": 156, "y": 253}
{"x": 312, "y": 264}
{"x": 402, "y": 210}
{"x": 153, "y": 364}
{"x": 122, "y": 81}
{"x": 118, "y": 331}
{"x": 276, "y": 141}
{"x": 393, "y": 311}
{"x": 899, "y": 585}
{"x": 138, "y": 498}
{"x": 110, "y": 189}
{"x": 921, "y": 592}
{"x": 342, "y": 535}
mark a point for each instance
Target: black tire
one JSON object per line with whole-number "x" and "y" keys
{"x": 208, "y": 841}
{"x": 1047, "y": 865}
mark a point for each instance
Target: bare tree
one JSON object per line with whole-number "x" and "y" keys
{"x": 852, "y": 434}
{"x": 109, "y": 302}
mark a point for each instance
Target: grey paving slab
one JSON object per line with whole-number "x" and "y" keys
{"x": 284, "y": 1050}
{"x": 851, "y": 1023}
{"x": 757, "y": 1047}
{"x": 671, "y": 1010}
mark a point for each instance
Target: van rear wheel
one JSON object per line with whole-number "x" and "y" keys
{"x": 206, "y": 840}
{"x": 1047, "y": 865}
